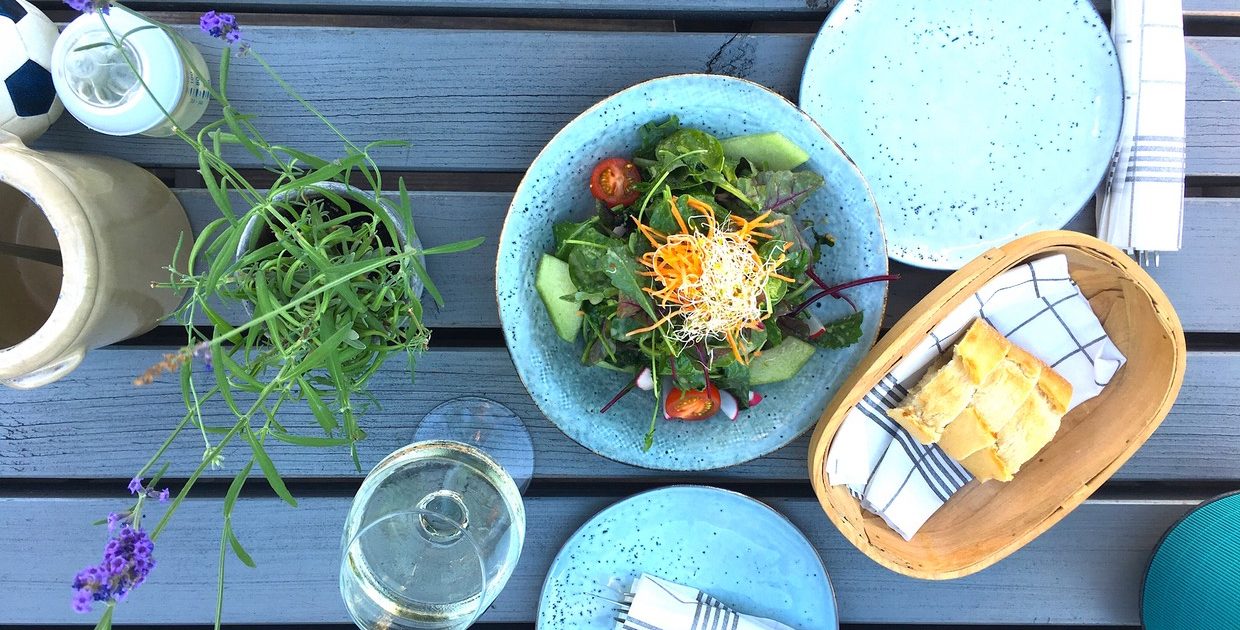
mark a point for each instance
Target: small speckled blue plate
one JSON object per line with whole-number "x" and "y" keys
{"x": 734, "y": 548}
{"x": 975, "y": 122}
{"x": 555, "y": 188}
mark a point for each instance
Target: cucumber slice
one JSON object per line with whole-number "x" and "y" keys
{"x": 769, "y": 151}
{"x": 553, "y": 282}
{"x": 781, "y": 362}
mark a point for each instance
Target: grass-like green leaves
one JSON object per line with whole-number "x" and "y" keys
{"x": 332, "y": 275}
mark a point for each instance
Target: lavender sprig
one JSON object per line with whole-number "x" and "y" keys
{"x": 220, "y": 25}
{"x": 136, "y": 487}
{"x": 90, "y": 6}
{"x": 126, "y": 563}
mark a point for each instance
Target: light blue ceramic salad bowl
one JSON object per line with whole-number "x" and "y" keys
{"x": 555, "y": 188}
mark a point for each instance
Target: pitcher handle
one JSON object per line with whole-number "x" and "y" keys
{"x": 48, "y": 374}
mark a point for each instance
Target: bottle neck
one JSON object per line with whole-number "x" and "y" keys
{"x": 97, "y": 72}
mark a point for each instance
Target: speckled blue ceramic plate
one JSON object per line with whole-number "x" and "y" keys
{"x": 556, "y": 188}
{"x": 734, "y": 548}
{"x": 975, "y": 122}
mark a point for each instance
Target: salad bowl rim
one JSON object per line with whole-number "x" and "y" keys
{"x": 520, "y": 192}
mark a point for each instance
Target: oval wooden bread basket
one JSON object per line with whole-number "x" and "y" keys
{"x": 984, "y": 522}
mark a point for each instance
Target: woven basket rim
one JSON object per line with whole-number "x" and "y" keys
{"x": 951, "y": 292}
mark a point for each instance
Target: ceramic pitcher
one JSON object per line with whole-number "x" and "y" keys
{"x": 116, "y": 227}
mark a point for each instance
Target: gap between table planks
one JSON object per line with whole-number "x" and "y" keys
{"x": 489, "y": 100}
{"x": 96, "y": 425}
{"x": 1211, "y": 242}
{"x": 745, "y": 9}
{"x": 1086, "y": 570}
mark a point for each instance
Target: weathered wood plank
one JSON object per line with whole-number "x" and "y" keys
{"x": 732, "y": 9}
{"x": 94, "y": 424}
{"x": 1211, "y": 241}
{"x": 489, "y": 100}
{"x": 1086, "y": 570}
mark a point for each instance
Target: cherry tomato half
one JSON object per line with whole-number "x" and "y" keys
{"x": 612, "y": 182}
{"x": 692, "y": 404}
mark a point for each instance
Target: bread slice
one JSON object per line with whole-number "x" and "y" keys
{"x": 981, "y": 349}
{"x": 943, "y": 393}
{"x": 1036, "y": 423}
{"x": 992, "y": 407}
{"x": 966, "y": 435}
{"x": 1031, "y": 428}
{"x": 936, "y": 401}
{"x": 985, "y": 465}
{"x": 1007, "y": 388}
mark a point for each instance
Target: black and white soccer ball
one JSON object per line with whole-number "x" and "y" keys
{"x": 28, "y": 102}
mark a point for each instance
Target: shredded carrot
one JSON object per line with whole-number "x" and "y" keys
{"x": 702, "y": 207}
{"x": 711, "y": 276}
{"x": 736, "y": 352}
{"x": 679, "y": 219}
{"x": 651, "y": 327}
{"x": 649, "y": 232}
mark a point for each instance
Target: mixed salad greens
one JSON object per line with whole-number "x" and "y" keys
{"x": 692, "y": 274}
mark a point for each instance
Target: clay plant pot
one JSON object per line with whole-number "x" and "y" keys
{"x": 256, "y": 229}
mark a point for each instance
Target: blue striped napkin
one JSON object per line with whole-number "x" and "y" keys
{"x": 656, "y": 604}
{"x": 1141, "y": 208}
{"x": 1038, "y": 307}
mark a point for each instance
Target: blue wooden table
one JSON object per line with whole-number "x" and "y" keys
{"x": 478, "y": 86}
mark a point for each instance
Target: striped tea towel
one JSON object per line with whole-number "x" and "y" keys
{"x": 1141, "y": 208}
{"x": 661, "y": 605}
{"x": 1038, "y": 307}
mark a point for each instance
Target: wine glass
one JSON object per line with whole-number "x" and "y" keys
{"x": 431, "y": 538}
{"x": 486, "y": 425}
{"x": 384, "y": 565}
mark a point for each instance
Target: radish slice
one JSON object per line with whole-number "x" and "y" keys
{"x": 754, "y": 399}
{"x": 815, "y": 326}
{"x": 727, "y": 404}
{"x": 665, "y": 388}
{"x": 645, "y": 381}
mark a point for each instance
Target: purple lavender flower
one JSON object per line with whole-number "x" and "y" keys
{"x": 136, "y": 487}
{"x": 202, "y": 351}
{"x": 90, "y": 6}
{"x": 126, "y": 563}
{"x": 115, "y": 519}
{"x": 221, "y": 25}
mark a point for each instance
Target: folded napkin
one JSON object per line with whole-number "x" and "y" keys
{"x": 661, "y": 605}
{"x": 1141, "y": 208}
{"x": 1038, "y": 307}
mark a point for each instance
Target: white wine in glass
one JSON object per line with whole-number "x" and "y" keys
{"x": 433, "y": 535}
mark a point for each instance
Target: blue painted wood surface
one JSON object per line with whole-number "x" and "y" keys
{"x": 489, "y": 100}
{"x": 478, "y": 99}
{"x": 1084, "y": 571}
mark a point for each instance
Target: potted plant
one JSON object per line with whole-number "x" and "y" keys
{"x": 330, "y": 271}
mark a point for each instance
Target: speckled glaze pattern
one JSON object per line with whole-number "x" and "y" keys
{"x": 734, "y": 548}
{"x": 974, "y": 122}
{"x": 555, "y": 189}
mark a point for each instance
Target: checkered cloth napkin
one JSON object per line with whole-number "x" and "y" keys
{"x": 1141, "y": 208}
{"x": 657, "y": 604}
{"x": 1035, "y": 305}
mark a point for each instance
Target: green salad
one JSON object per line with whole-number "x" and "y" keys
{"x": 693, "y": 273}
